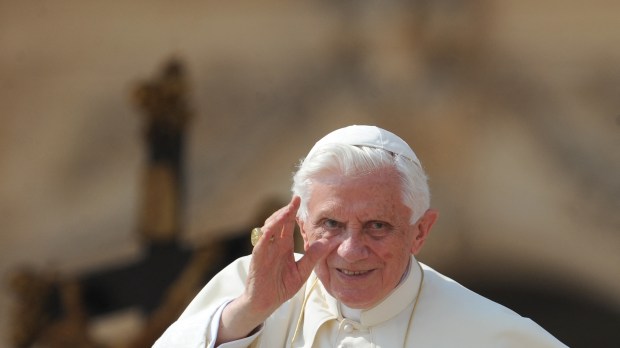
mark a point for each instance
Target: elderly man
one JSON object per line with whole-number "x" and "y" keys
{"x": 361, "y": 201}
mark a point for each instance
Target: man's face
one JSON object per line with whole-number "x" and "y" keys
{"x": 367, "y": 220}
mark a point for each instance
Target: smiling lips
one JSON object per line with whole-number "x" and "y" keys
{"x": 352, "y": 273}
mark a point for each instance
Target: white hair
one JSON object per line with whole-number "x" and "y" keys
{"x": 350, "y": 160}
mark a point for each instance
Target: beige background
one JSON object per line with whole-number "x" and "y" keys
{"x": 512, "y": 106}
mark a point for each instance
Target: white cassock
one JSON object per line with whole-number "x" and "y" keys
{"x": 426, "y": 309}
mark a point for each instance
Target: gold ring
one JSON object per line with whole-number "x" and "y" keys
{"x": 255, "y": 235}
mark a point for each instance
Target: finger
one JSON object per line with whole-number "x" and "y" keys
{"x": 283, "y": 212}
{"x": 272, "y": 228}
{"x": 282, "y": 222}
{"x": 260, "y": 244}
{"x": 290, "y": 218}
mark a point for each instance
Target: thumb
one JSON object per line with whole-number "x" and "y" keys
{"x": 315, "y": 252}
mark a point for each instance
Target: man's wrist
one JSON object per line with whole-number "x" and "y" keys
{"x": 239, "y": 320}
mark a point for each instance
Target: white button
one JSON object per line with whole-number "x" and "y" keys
{"x": 348, "y": 328}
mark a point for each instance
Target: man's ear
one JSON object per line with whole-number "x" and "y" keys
{"x": 422, "y": 229}
{"x": 302, "y": 230}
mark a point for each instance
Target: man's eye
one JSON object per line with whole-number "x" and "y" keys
{"x": 378, "y": 229}
{"x": 329, "y": 223}
{"x": 377, "y": 225}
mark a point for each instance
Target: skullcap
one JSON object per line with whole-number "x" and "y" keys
{"x": 371, "y": 136}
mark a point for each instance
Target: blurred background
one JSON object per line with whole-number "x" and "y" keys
{"x": 140, "y": 141}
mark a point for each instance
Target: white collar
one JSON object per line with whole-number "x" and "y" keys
{"x": 321, "y": 305}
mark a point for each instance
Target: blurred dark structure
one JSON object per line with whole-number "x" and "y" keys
{"x": 556, "y": 311}
{"x": 56, "y": 309}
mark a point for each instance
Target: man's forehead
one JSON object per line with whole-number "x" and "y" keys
{"x": 378, "y": 194}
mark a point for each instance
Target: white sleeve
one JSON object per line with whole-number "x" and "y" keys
{"x": 192, "y": 331}
{"x": 200, "y": 331}
{"x": 214, "y": 326}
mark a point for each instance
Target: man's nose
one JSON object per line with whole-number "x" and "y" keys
{"x": 353, "y": 247}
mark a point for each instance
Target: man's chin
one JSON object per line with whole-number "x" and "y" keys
{"x": 356, "y": 302}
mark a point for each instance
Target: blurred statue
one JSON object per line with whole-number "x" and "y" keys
{"x": 55, "y": 311}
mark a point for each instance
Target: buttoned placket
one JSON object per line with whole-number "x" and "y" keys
{"x": 352, "y": 334}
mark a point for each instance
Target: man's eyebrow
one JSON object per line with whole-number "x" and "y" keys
{"x": 323, "y": 213}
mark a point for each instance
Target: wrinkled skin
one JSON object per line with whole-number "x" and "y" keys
{"x": 367, "y": 220}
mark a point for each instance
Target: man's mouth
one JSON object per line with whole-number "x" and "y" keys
{"x": 352, "y": 273}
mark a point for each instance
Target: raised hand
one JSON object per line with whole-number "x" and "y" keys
{"x": 274, "y": 275}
